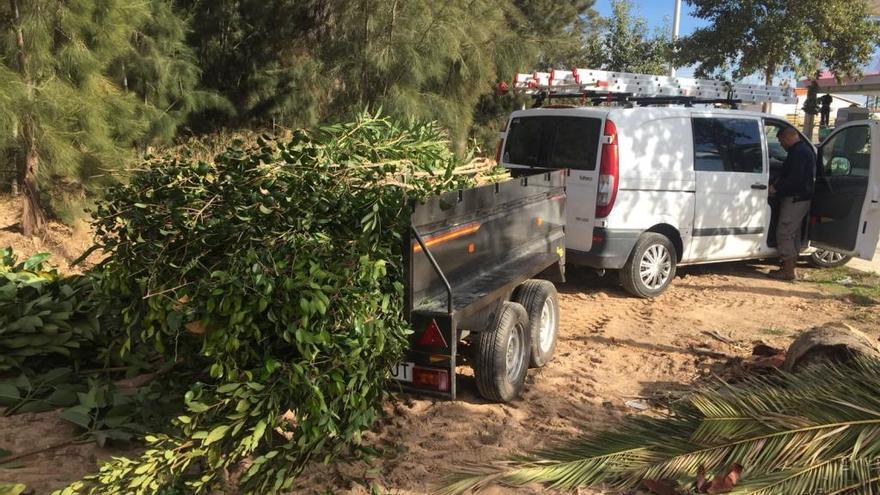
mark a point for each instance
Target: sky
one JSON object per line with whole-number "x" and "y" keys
{"x": 658, "y": 13}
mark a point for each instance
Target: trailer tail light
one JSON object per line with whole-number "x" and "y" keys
{"x": 432, "y": 378}
{"x": 609, "y": 171}
{"x": 498, "y": 150}
{"x": 432, "y": 337}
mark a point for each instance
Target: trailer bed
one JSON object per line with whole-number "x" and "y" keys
{"x": 468, "y": 252}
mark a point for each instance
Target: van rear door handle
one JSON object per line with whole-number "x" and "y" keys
{"x": 759, "y": 186}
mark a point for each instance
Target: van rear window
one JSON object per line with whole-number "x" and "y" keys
{"x": 553, "y": 142}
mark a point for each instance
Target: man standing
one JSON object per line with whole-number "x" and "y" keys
{"x": 825, "y": 109}
{"x": 793, "y": 190}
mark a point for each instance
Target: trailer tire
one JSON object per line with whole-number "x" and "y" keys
{"x": 503, "y": 354}
{"x": 650, "y": 267}
{"x": 541, "y": 303}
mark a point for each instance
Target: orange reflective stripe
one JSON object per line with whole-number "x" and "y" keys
{"x": 455, "y": 233}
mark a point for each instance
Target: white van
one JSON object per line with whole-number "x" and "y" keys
{"x": 651, "y": 188}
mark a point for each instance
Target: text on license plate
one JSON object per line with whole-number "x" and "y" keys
{"x": 403, "y": 372}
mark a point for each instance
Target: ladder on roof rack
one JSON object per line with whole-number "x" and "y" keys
{"x": 645, "y": 88}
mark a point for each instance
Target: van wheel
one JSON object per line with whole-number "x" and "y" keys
{"x": 821, "y": 258}
{"x": 650, "y": 267}
{"x": 503, "y": 354}
{"x": 541, "y": 303}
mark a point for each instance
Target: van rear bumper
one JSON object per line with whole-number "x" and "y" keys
{"x": 611, "y": 248}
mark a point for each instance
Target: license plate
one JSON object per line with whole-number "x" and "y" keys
{"x": 403, "y": 372}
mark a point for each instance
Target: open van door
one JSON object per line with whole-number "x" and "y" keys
{"x": 846, "y": 205}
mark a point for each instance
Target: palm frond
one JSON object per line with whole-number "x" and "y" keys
{"x": 815, "y": 432}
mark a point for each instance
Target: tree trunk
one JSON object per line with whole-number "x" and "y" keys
{"x": 767, "y": 106}
{"x": 365, "y": 48}
{"x": 830, "y": 343}
{"x": 33, "y": 218}
{"x": 810, "y": 108}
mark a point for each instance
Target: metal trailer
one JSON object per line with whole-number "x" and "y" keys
{"x": 471, "y": 295}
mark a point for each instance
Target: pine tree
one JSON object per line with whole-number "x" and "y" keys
{"x": 558, "y": 31}
{"x": 626, "y": 45}
{"x": 262, "y": 55}
{"x": 72, "y": 112}
{"x": 162, "y": 70}
{"x": 70, "y": 117}
{"x": 414, "y": 59}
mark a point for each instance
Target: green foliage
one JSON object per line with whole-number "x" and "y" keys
{"x": 45, "y": 391}
{"x": 104, "y": 413}
{"x": 814, "y": 432}
{"x": 624, "y": 44}
{"x": 12, "y": 488}
{"x": 68, "y": 83}
{"x": 414, "y": 59}
{"x": 274, "y": 272}
{"x": 162, "y": 70}
{"x": 768, "y": 36}
{"x": 555, "y": 30}
{"x": 43, "y": 317}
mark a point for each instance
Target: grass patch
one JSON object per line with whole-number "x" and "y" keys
{"x": 775, "y": 331}
{"x": 862, "y": 288}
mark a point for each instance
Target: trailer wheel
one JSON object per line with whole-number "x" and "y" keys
{"x": 541, "y": 303}
{"x": 650, "y": 267}
{"x": 503, "y": 354}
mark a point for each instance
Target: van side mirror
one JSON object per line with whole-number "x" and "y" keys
{"x": 839, "y": 165}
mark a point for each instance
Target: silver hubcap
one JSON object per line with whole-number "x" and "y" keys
{"x": 828, "y": 256}
{"x": 514, "y": 355}
{"x": 547, "y": 330}
{"x": 655, "y": 266}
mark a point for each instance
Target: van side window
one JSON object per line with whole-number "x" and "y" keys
{"x": 727, "y": 145}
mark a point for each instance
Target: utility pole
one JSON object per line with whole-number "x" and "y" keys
{"x": 675, "y": 20}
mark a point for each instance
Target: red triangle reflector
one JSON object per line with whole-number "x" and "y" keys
{"x": 432, "y": 336}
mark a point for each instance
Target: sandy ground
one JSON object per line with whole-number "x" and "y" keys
{"x": 612, "y": 348}
{"x": 65, "y": 243}
{"x": 867, "y": 266}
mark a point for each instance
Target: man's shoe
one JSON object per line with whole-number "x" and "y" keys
{"x": 787, "y": 272}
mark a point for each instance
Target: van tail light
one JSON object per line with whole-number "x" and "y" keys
{"x": 432, "y": 378}
{"x": 609, "y": 171}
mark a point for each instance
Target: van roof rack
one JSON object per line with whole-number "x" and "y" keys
{"x": 643, "y": 89}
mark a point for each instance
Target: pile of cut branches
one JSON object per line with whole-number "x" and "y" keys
{"x": 272, "y": 273}
{"x": 43, "y": 317}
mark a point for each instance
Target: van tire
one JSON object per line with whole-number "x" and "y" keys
{"x": 821, "y": 258}
{"x": 496, "y": 380}
{"x": 655, "y": 252}
{"x": 541, "y": 302}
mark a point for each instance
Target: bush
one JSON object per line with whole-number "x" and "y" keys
{"x": 275, "y": 270}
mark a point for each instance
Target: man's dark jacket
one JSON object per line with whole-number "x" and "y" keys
{"x": 798, "y": 173}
